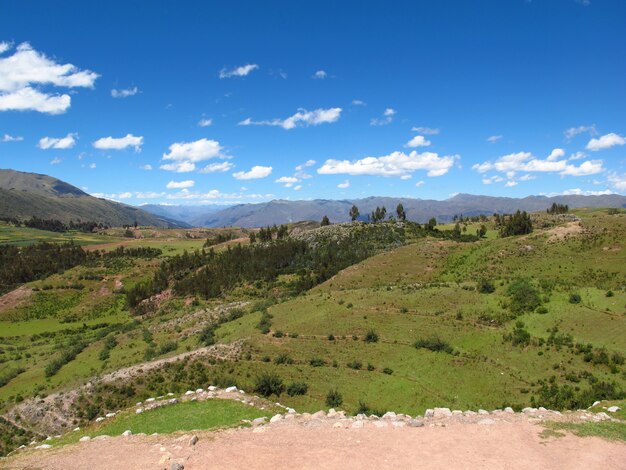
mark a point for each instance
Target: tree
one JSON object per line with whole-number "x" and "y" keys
{"x": 325, "y": 221}
{"x": 252, "y": 237}
{"x": 354, "y": 213}
{"x": 432, "y": 223}
{"x": 378, "y": 214}
{"x": 400, "y": 212}
{"x": 482, "y": 231}
{"x": 516, "y": 224}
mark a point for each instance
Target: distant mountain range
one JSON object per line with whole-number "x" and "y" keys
{"x": 24, "y": 195}
{"x": 420, "y": 210}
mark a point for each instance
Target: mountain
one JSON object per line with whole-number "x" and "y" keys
{"x": 24, "y": 195}
{"x": 187, "y": 214}
{"x": 420, "y": 210}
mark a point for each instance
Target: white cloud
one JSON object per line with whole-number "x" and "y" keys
{"x": 590, "y": 167}
{"x": 287, "y": 181}
{"x": 305, "y": 165}
{"x": 577, "y": 155}
{"x": 493, "y": 179}
{"x": 574, "y": 131}
{"x": 344, "y": 185}
{"x": 388, "y": 115}
{"x": 420, "y": 184}
{"x": 215, "y": 194}
{"x": 255, "y": 172}
{"x": 579, "y": 192}
{"x": 12, "y": 138}
{"x": 55, "y": 161}
{"x": 205, "y": 122}
{"x": 217, "y": 167}
{"x": 4, "y": 46}
{"x": 426, "y": 130}
{"x": 27, "y": 69}
{"x": 125, "y": 92}
{"x": 179, "y": 167}
{"x": 510, "y": 183}
{"x": 605, "y": 142}
{"x": 320, "y": 74}
{"x": 297, "y": 188}
{"x": 358, "y": 103}
{"x": 146, "y": 167}
{"x": 394, "y": 164}
{"x": 185, "y": 155}
{"x": 527, "y": 177}
{"x": 91, "y": 166}
{"x": 618, "y": 181}
{"x": 301, "y": 118}
{"x": 66, "y": 142}
{"x": 240, "y": 71}
{"x": 120, "y": 143}
{"x": 493, "y": 138}
{"x": 180, "y": 184}
{"x": 418, "y": 141}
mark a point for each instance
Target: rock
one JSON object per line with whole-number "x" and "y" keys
{"x": 276, "y": 418}
{"x": 242, "y": 392}
{"x": 398, "y": 424}
{"x": 177, "y": 466}
{"x": 84, "y": 439}
{"x": 416, "y": 423}
{"x": 44, "y": 446}
{"x": 389, "y": 415}
{"x": 259, "y": 429}
{"x": 103, "y": 437}
{"x": 457, "y": 412}
{"x": 331, "y": 413}
{"x": 99, "y": 419}
{"x": 602, "y": 416}
{"x": 483, "y": 412}
{"x": 139, "y": 410}
{"x": 109, "y": 415}
{"x": 193, "y": 441}
{"x": 259, "y": 421}
{"x": 291, "y": 410}
{"x": 212, "y": 388}
{"x": 357, "y": 424}
{"x": 508, "y": 409}
{"x": 199, "y": 390}
{"x": 189, "y": 392}
{"x": 289, "y": 417}
{"x": 429, "y": 413}
{"x": 149, "y": 400}
{"x": 542, "y": 409}
{"x": 487, "y": 421}
{"x": 172, "y": 401}
{"x": 170, "y": 394}
{"x": 231, "y": 389}
{"x": 442, "y": 413}
{"x": 127, "y": 433}
{"x": 76, "y": 429}
{"x": 361, "y": 416}
{"x": 319, "y": 414}
{"x": 613, "y": 409}
{"x": 595, "y": 403}
{"x": 469, "y": 413}
{"x": 529, "y": 410}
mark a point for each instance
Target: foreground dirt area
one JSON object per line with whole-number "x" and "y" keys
{"x": 318, "y": 444}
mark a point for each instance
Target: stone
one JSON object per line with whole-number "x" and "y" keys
{"x": 150, "y": 400}
{"x": 109, "y": 415}
{"x": 259, "y": 429}
{"x": 319, "y": 414}
{"x": 529, "y": 410}
{"x": 361, "y": 416}
{"x": 139, "y": 410}
{"x": 84, "y": 439}
{"x": 338, "y": 424}
{"x": 457, "y": 412}
{"x": 103, "y": 437}
{"x": 398, "y": 424}
{"x": 172, "y": 401}
{"x": 170, "y": 394}
{"x": 76, "y": 429}
{"x": 212, "y": 388}
{"x": 469, "y": 413}
{"x": 138, "y": 403}
{"x": 486, "y": 421}
{"x": 357, "y": 424}
{"x": 242, "y": 392}
{"x": 429, "y": 413}
{"x": 193, "y": 441}
{"x": 276, "y": 418}
{"x": 259, "y": 421}
{"x": 389, "y": 415}
{"x": 595, "y": 403}
{"x": 613, "y": 409}
{"x": 127, "y": 433}
{"x": 483, "y": 412}
{"x": 231, "y": 389}
{"x": 442, "y": 413}
{"x": 177, "y": 466}
{"x": 189, "y": 392}
{"x": 44, "y": 446}
{"x": 289, "y": 417}
{"x": 331, "y": 413}
{"x": 199, "y": 390}
{"x": 508, "y": 409}
{"x": 99, "y": 419}
{"x": 542, "y": 409}
{"x": 291, "y": 410}
{"x": 416, "y": 423}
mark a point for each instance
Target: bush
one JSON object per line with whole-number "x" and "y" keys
{"x": 610, "y": 293}
{"x": 542, "y": 310}
{"x": 269, "y": 384}
{"x": 485, "y": 286}
{"x": 317, "y": 362}
{"x": 356, "y": 365}
{"x": 278, "y": 334}
{"x": 207, "y": 335}
{"x": 524, "y": 296}
{"x": 519, "y": 336}
{"x": 387, "y": 371}
{"x": 297, "y": 388}
{"x": 283, "y": 358}
{"x": 434, "y": 344}
{"x": 334, "y": 398}
{"x": 371, "y": 337}
{"x": 574, "y": 298}
{"x": 331, "y": 337}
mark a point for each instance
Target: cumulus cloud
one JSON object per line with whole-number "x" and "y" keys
{"x": 287, "y": 181}
{"x": 320, "y": 74}
{"x": 119, "y": 143}
{"x": 395, "y": 164}
{"x": 240, "y": 71}
{"x": 418, "y": 141}
{"x": 387, "y": 117}
{"x": 302, "y": 118}
{"x": 256, "y": 172}
{"x": 180, "y": 184}
{"x": 605, "y": 142}
{"x": 358, "y": 103}
{"x": 24, "y": 74}
{"x": 179, "y": 167}
{"x": 617, "y": 181}
{"x": 205, "y": 122}
{"x": 66, "y": 142}
{"x": 215, "y": 195}
{"x": 577, "y": 155}
{"x": 217, "y": 167}
{"x": 12, "y": 138}
{"x": 4, "y": 46}
{"x": 590, "y": 167}
{"x": 556, "y": 154}
{"x": 426, "y": 130}
{"x": 493, "y": 179}
{"x": 344, "y": 185}
{"x": 574, "y": 131}
{"x": 492, "y": 139}
{"x": 305, "y": 165}
{"x": 124, "y": 92}
{"x": 185, "y": 155}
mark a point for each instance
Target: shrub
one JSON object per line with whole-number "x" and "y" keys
{"x": 370, "y": 367}
{"x": 297, "y": 388}
{"x": 168, "y": 347}
{"x": 317, "y": 362}
{"x": 371, "y": 337}
{"x": 269, "y": 384}
{"x": 434, "y": 344}
{"x": 387, "y": 371}
{"x": 334, "y": 398}
{"x": 485, "y": 286}
{"x": 283, "y": 358}
{"x": 574, "y": 298}
{"x": 524, "y": 297}
{"x": 519, "y": 336}
{"x": 278, "y": 334}
{"x": 207, "y": 335}
{"x": 331, "y": 337}
{"x": 542, "y": 310}
{"x": 356, "y": 365}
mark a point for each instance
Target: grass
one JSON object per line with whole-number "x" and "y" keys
{"x": 612, "y": 431}
{"x": 186, "y": 416}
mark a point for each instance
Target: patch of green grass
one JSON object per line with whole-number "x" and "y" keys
{"x": 187, "y": 416}
{"x": 613, "y": 431}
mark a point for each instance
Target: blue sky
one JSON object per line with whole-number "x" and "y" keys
{"x": 229, "y": 102}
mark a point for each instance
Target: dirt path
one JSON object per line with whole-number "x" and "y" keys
{"x": 287, "y": 444}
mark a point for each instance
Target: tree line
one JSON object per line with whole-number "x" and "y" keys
{"x": 55, "y": 225}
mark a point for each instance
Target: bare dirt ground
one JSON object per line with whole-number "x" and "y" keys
{"x": 14, "y": 298}
{"x": 564, "y": 231}
{"x": 509, "y": 445}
